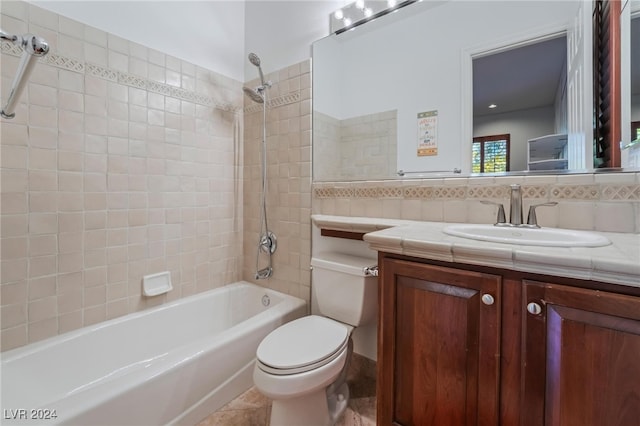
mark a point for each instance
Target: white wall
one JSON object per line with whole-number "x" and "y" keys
{"x": 206, "y": 33}
{"x": 217, "y": 35}
{"x": 281, "y": 32}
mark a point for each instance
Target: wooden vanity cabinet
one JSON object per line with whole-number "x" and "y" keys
{"x": 439, "y": 345}
{"x": 581, "y": 351}
{"x": 463, "y": 345}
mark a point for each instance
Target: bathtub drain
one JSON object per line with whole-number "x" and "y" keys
{"x": 265, "y": 300}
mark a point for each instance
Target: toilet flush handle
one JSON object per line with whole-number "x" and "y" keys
{"x": 371, "y": 271}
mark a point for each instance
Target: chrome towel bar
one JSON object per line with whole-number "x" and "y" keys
{"x": 403, "y": 172}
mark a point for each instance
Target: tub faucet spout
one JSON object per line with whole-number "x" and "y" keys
{"x": 515, "y": 214}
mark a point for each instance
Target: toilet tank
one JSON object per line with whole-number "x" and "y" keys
{"x": 342, "y": 290}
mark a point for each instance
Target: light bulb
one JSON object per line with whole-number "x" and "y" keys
{"x": 346, "y": 22}
{"x": 368, "y": 12}
{"x": 391, "y": 3}
{"x": 360, "y": 4}
{"x": 338, "y": 14}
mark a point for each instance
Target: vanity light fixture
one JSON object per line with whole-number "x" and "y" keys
{"x": 361, "y": 11}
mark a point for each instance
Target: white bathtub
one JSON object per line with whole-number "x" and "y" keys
{"x": 173, "y": 364}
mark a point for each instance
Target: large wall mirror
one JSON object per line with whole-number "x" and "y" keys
{"x": 397, "y": 94}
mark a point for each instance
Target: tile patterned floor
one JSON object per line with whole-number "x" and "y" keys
{"x": 253, "y": 409}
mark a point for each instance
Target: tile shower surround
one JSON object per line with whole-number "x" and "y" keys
{"x": 121, "y": 161}
{"x": 124, "y": 161}
{"x": 288, "y": 179}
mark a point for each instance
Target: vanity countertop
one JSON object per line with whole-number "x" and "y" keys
{"x": 617, "y": 263}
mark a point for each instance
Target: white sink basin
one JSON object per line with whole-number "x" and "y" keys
{"x": 550, "y": 237}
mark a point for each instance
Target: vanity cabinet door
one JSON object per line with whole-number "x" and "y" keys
{"x": 581, "y": 357}
{"x": 439, "y": 346}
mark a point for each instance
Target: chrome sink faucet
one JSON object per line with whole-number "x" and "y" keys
{"x": 515, "y": 213}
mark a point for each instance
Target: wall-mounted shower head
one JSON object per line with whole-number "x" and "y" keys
{"x": 255, "y": 60}
{"x": 255, "y": 95}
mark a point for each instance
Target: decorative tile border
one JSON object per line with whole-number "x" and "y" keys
{"x": 65, "y": 63}
{"x": 11, "y": 49}
{"x": 591, "y": 192}
{"x": 620, "y": 192}
{"x": 501, "y": 191}
{"x": 575, "y": 192}
{"x": 131, "y": 80}
{"x": 278, "y": 101}
{"x": 102, "y": 72}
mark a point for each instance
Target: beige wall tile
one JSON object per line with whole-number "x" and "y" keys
{"x": 14, "y": 157}
{"x": 14, "y": 293}
{"x": 13, "y": 337}
{"x": 615, "y": 217}
{"x": 40, "y": 330}
{"x": 69, "y": 321}
{"x": 13, "y": 315}
{"x": 42, "y": 287}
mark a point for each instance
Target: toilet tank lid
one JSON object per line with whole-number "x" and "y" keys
{"x": 342, "y": 262}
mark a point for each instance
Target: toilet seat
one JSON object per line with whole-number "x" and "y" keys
{"x": 302, "y": 345}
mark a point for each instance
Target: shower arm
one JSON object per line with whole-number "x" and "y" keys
{"x": 33, "y": 48}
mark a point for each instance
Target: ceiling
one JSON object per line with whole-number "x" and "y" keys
{"x": 521, "y": 78}
{"x": 528, "y": 76}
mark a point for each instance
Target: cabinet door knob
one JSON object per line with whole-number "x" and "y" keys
{"x": 534, "y": 308}
{"x": 487, "y": 299}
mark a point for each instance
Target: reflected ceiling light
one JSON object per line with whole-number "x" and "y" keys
{"x": 492, "y": 106}
{"x": 361, "y": 11}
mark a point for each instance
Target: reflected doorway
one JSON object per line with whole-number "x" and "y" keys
{"x": 521, "y": 91}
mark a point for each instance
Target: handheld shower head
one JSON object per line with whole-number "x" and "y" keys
{"x": 254, "y": 95}
{"x": 255, "y": 60}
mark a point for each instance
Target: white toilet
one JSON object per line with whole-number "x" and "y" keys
{"x": 302, "y": 365}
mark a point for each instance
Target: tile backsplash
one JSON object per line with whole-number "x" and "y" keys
{"x": 608, "y": 202}
{"x": 121, "y": 161}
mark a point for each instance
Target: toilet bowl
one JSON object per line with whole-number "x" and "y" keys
{"x": 302, "y": 365}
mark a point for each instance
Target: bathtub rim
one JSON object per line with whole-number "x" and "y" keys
{"x": 15, "y": 353}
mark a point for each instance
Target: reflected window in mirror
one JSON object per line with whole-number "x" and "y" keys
{"x": 490, "y": 154}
